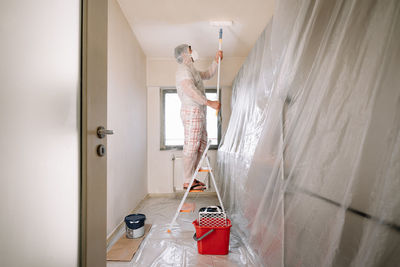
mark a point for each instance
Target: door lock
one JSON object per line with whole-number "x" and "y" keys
{"x": 101, "y": 150}
{"x": 102, "y": 132}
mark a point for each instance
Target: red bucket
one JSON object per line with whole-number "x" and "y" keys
{"x": 212, "y": 240}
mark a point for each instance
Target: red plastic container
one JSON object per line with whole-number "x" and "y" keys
{"x": 216, "y": 242}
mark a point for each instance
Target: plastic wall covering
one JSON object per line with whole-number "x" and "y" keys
{"x": 310, "y": 164}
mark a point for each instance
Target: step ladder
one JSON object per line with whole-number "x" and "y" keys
{"x": 188, "y": 207}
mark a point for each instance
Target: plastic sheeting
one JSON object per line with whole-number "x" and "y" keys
{"x": 178, "y": 248}
{"x": 310, "y": 164}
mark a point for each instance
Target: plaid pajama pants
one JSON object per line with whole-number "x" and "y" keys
{"x": 194, "y": 121}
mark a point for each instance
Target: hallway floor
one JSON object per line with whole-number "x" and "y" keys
{"x": 178, "y": 248}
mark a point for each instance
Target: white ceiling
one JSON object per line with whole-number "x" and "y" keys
{"x": 161, "y": 25}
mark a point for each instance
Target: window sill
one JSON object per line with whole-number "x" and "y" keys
{"x": 212, "y": 147}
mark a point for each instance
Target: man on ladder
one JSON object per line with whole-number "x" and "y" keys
{"x": 190, "y": 88}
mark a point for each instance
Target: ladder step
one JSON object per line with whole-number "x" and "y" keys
{"x": 196, "y": 191}
{"x": 188, "y": 207}
{"x": 204, "y": 170}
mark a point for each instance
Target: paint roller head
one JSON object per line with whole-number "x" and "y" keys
{"x": 222, "y": 23}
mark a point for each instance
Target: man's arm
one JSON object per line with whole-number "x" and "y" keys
{"x": 208, "y": 74}
{"x": 214, "y": 104}
{"x": 190, "y": 90}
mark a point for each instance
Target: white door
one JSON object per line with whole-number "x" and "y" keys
{"x": 40, "y": 132}
{"x": 53, "y": 87}
{"x": 94, "y": 115}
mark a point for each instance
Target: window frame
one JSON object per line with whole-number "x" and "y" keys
{"x": 169, "y": 90}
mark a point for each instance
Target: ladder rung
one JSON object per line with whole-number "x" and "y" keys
{"x": 196, "y": 190}
{"x": 188, "y": 207}
{"x": 204, "y": 170}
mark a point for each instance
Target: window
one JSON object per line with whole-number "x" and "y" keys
{"x": 172, "y": 134}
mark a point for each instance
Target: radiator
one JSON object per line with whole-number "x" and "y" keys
{"x": 177, "y": 163}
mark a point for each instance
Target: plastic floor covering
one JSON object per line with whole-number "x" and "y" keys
{"x": 178, "y": 248}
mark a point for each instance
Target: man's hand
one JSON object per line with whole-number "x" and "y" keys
{"x": 214, "y": 104}
{"x": 218, "y": 55}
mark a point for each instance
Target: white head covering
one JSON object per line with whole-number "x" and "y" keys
{"x": 182, "y": 54}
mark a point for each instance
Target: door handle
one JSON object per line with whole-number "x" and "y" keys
{"x": 102, "y": 132}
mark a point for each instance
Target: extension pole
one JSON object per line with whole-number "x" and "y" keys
{"x": 219, "y": 64}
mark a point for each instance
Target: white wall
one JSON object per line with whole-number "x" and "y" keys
{"x": 39, "y": 118}
{"x": 161, "y": 73}
{"x": 127, "y": 151}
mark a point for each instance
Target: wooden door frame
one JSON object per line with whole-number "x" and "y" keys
{"x": 93, "y": 230}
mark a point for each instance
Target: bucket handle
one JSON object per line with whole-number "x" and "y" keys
{"x": 215, "y": 207}
{"x": 200, "y": 238}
